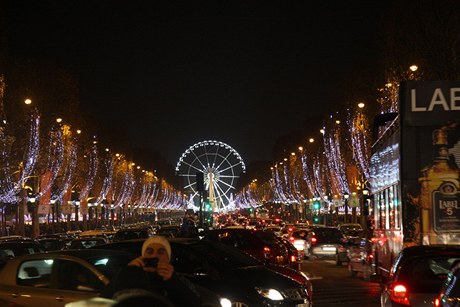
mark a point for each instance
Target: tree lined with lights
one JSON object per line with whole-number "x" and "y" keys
{"x": 50, "y": 169}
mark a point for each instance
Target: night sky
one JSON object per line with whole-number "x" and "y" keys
{"x": 174, "y": 73}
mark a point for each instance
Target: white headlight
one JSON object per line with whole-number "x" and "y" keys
{"x": 225, "y": 302}
{"x": 272, "y": 294}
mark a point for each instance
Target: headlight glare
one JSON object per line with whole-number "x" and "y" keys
{"x": 225, "y": 302}
{"x": 272, "y": 294}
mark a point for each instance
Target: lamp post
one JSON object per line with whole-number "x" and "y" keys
{"x": 346, "y": 196}
{"x": 365, "y": 209}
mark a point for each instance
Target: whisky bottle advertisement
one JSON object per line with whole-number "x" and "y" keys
{"x": 440, "y": 187}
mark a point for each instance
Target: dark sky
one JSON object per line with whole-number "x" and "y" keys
{"x": 175, "y": 73}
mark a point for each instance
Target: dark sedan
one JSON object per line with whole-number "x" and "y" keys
{"x": 230, "y": 273}
{"x": 262, "y": 245}
{"x": 417, "y": 275}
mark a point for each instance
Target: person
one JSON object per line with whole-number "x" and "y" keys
{"x": 153, "y": 271}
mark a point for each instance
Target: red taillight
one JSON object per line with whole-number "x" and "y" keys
{"x": 290, "y": 229}
{"x": 399, "y": 294}
{"x": 293, "y": 258}
{"x": 291, "y": 239}
{"x": 266, "y": 252}
{"x": 437, "y": 302}
{"x": 313, "y": 240}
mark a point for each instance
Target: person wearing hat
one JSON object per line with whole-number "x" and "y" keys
{"x": 153, "y": 271}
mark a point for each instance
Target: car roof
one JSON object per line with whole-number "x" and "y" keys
{"x": 429, "y": 249}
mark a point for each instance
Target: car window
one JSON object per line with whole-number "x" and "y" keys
{"x": 35, "y": 273}
{"x": 74, "y": 276}
{"x": 266, "y": 237}
{"x": 14, "y": 250}
{"x": 111, "y": 264}
{"x": 131, "y": 234}
{"x": 328, "y": 234}
{"x": 300, "y": 234}
{"x": 85, "y": 243}
{"x": 424, "y": 273}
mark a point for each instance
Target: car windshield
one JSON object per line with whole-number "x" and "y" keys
{"x": 328, "y": 234}
{"x": 423, "y": 274}
{"x": 266, "y": 237}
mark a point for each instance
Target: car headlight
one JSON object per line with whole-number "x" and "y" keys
{"x": 225, "y": 302}
{"x": 272, "y": 294}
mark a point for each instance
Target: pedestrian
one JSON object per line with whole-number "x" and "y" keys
{"x": 153, "y": 271}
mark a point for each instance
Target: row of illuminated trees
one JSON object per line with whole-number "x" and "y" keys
{"x": 330, "y": 170}
{"x": 53, "y": 170}
{"x": 328, "y": 174}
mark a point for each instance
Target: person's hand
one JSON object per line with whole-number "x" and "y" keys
{"x": 139, "y": 261}
{"x": 165, "y": 270}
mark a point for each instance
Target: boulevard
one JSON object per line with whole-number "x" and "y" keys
{"x": 334, "y": 286}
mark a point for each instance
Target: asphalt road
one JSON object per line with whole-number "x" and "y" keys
{"x": 334, "y": 286}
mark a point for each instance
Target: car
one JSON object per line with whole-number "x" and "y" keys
{"x": 276, "y": 229}
{"x": 13, "y": 238}
{"x": 56, "y": 278}
{"x": 295, "y": 256}
{"x": 262, "y": 245}
{"x": 449, "y": 295}
{"x": 54, "y": 242}
{"x": 326, "y": 242}
{"x": 231, "y": 273}
{"x": 94, "y": 234}
{"x": 350, "y": 229}
{"x": 132, "y": 233}
{"x": 13, "y": 248}
{"x": 361, "y": 257}
{"x": 86, "y": 242}
{"x": 417, "y": 274}
{"x": 299, "y": 238}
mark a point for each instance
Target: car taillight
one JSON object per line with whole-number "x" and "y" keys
{"x": 291, "y": 239}
{"x": 437, "y": 302}
{"x": 313, "y": 240}
{"x": 399, "y": 294}
{"x": 370, "y": 257}
{"x": 293, "y": 258}
{"x": 266, "y": 252}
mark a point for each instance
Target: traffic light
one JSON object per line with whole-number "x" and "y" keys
{"x": 316, "y": 219}
{"x": 316, "y": 205}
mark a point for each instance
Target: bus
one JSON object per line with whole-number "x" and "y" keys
{"x": 414, "y": 171}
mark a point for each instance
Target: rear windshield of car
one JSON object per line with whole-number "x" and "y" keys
{"x": 122, "y": 235}
{"x": 423, "y": 274}
{"x": 328, "y": 234}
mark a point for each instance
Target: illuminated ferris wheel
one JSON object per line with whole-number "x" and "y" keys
{"x": 221, "y": 166}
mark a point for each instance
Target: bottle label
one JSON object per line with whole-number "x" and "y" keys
{"x": 446, "y": 204}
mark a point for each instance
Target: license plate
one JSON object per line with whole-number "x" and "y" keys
{"x": 303, "y": 305}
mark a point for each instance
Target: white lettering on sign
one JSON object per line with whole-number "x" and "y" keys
{"x": 437, "y": 99}
{"x": 449, "y": 206}
{"x": 445, "y": 204}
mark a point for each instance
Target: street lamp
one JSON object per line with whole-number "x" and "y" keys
{"x": 55, "y": 214}
{"x": 346, "y": 196}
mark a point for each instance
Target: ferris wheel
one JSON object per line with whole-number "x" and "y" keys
{"x": 221, "y": 167}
